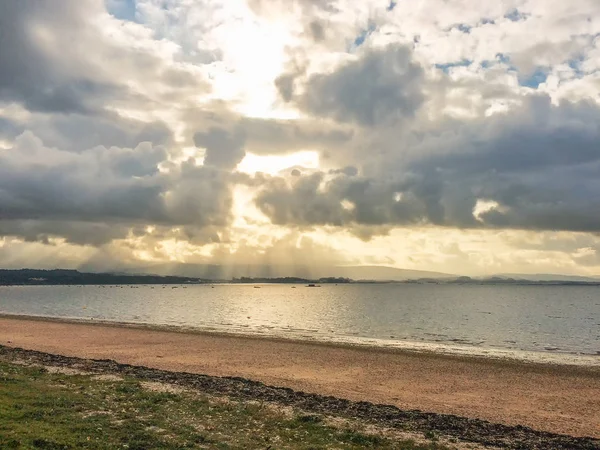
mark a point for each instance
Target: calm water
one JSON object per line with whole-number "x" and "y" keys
{"x": 547, "y": 322}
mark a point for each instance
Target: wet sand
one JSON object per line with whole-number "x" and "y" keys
{"x": 558, "y": 399}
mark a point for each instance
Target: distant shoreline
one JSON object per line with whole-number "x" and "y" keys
{"x": 306, "y": 282}
{"x": 60, "y": 277}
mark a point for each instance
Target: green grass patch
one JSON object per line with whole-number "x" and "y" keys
{"x": 42, "y": 410}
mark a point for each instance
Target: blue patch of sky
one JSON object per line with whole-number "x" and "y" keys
{"x": 575, "y": 64}
{"x": 364, "y": 34}
{"x": 502, "y": 58}
{"x": 447, "y": 66}
{"x": 535, "y": 79}
{"x": 391, "y": 5}
{"x": 487, "y": 21}
{"x": 122, "y": 9}
{"x": 515, "y": 15}
{"x": 462, "y": 27}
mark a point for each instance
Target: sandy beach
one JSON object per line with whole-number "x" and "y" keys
{"x": 558, "y": 399}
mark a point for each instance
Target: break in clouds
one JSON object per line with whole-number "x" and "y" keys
{"x": 128, "y": 130}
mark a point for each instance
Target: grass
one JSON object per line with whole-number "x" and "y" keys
{"x": 43, "y": 410}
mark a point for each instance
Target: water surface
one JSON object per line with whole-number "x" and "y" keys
{"x": 554, "y": 323}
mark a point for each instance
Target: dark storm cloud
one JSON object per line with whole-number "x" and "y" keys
{"x": 381, "y": 86}
{"x": 80, "y": 132}
{"x": 29, "y": 36}
{"x": 101, "y": 187}
{"x": 93, "y": 175}
{"x": 540, "y": 165}
{"x": 348, "y": 170}
{"x": 77, "y": 132}
{"x": 224, "y": 148}
{"x": 286, "y": 136}
{"x": 235, "y": 134}
{"x": 56, "y": 58}
{"x": 343, "y": 201}
{"x": 81, "y": 233}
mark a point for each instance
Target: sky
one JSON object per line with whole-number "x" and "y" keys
{"x": 457, "y": 136}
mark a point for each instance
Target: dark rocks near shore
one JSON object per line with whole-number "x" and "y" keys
{"x": 465, "y": 429}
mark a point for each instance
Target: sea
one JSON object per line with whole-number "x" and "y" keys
{"x": 552, "y": 324}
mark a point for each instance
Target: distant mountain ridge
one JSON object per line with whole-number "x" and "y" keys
{"x": 354, "y": 272}
{"x": 219, "y": 272}
{"x": 385, "y": 273}
{"x": 547, "y": 277}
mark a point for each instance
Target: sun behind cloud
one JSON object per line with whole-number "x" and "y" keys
{"x": 423, "y": 135}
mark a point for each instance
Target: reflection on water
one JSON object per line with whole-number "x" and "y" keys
{"x": 549, "y": 319}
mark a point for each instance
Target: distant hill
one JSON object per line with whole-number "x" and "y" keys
{"x": 217, "y": 272}
{"x": 315, "y": 272}
{"x": 384, "y": 273}
{"x": 547, "y": 277}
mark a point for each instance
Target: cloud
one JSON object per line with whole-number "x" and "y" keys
{"x": 223, "y": 149}
{"x": 32, "y": 32}
{"x": 317, "y": 30}
{"x": 72, "y": 195}
{"x": 456, "y": 119}
{"x": 16, "y": 254}
{"x": 100, "y": 67}
{"x": 306, "y": 7}
{"x": 74, "y": 132}
{"x": 381, "y": 86}
{"x": 538, "y": 167}
{"x": 263, "y": 136}
{"x": 73, "y": 232}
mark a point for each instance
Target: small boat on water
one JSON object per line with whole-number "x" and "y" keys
{"x": 313, "y": 285}
{"x": 256, "y": 287}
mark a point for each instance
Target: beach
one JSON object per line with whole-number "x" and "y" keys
{"x": 557, "y": 399}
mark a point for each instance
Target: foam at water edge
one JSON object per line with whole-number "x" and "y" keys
{"x": 299, "y": 335}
